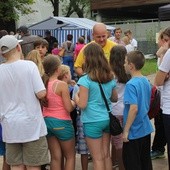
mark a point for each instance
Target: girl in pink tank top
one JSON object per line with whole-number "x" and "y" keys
{"x": 56, "y": 112}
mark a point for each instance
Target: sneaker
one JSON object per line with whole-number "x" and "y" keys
{"x": 157, "y": 154}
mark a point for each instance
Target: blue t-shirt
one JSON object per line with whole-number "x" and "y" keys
{"x": 138, "y": 92}
{"x": 96, "y": 110}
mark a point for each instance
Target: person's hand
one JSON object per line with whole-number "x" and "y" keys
{"x": 166, "y": 45}
{"x": 72, "y": 83}
{"x": 125, "y": 136}
{"x": 73, "y": 103}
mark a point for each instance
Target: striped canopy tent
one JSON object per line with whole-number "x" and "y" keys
{"x": 61, "y": 26}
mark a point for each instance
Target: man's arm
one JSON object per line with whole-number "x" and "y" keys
{"x": 79, "y": 63}
{"x": 160, "y": 78}
{"x": 79, "y": 71}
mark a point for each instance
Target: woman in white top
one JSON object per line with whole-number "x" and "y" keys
{"x": 117, "y": 58}
{"x": 162, "y": 79}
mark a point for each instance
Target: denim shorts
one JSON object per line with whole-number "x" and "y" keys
{"x": 96, "y": 129}
{"x": 61, "y": 129}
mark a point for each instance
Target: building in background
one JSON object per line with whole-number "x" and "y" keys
{"x": 131, "y": 9}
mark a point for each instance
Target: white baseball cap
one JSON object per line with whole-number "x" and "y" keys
{"x": 9, "y": 42}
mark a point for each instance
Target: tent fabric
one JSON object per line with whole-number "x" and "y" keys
{"x": 60, "y": 27}
{"x": 164, "y": 12}
{"x": 65, "y": 23}
{"x": 61, "y": 35}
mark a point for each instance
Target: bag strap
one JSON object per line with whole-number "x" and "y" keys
{"x": 104, "y": 98}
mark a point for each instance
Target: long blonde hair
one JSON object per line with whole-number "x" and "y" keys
{"x": 35, "y": 56}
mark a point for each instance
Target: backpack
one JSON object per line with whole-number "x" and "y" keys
{"x": 154, "y": 107}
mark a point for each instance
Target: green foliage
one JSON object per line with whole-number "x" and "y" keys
{"x": 150, "y": 67}
{"x": 70, "y": 6}
{"x": 80, "y": 7}
{"x": 10, "y": 9}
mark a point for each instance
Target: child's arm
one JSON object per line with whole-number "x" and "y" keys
{"x": 114, "y": 96}
{"x": 81, "y": 97}
{"x": 130, "y": 119}
{"x": 69, "y": 105}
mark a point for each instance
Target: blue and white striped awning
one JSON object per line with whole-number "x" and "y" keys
{"x": 61, "y": 26}
{"x": 65, "y": 23}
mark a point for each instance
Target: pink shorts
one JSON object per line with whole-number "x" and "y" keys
{"x": 117, "y": 141}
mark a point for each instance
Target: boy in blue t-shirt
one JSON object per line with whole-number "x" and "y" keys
{"x": 137, "y": 126}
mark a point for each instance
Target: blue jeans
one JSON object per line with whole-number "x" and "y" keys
{"x": 69, "y": 61}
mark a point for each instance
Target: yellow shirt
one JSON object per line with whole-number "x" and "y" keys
{"x": 80, "y": 58}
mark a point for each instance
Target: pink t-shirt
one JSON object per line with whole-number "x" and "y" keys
{"x": 55, "y": 107}
{"x": 78, "y": 48}
{"x": 55, "y": 51}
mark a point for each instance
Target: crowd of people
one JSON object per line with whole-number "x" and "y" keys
{"x": 45, "y": 109}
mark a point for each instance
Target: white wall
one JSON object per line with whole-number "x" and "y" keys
{"x": 44, "y": 10}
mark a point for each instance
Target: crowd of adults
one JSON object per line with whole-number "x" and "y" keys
{"x": 28, "y": 104}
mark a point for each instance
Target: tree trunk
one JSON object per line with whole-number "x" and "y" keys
{"x": 56, "y": 7}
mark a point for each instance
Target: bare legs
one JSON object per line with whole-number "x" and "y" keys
{"x": 68, "y": 151}
{"x": 100, "y": 151}
{"x": 5, "y": 166}
{"x": 84, "y": 161}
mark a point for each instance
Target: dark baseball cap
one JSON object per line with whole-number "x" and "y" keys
{"x": 23, "y": 29}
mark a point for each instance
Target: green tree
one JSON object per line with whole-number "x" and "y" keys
{"x": 55, "y": 4}
{"x": 10, "y": 9}
{"x": 70, "y": 6}
{"x": 79, "y": 7}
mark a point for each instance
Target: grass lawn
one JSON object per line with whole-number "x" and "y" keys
{"x": 149, "y": 67}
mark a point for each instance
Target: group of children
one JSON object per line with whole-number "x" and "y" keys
{"x": 47, "y": 65}
{"x": 127, "y": 92}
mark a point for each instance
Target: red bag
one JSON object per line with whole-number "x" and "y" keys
{"x": 154, "y": 107}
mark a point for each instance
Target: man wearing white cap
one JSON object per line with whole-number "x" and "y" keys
{"x": 23, "y": 126}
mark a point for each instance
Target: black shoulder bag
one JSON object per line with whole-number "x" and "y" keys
{"x": 115, "y": 127}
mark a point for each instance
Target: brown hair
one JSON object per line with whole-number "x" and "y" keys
{"x": 137, "y": 58}
{"x": 81, "y": 40}
{"x": 3, "y": 33}
{"x": 41, "y": 41}
{"x": 96, "y": 64}
{"x": 127, "y": 32}
{"x": 117, "y": 59}
{"x": 51, "y": 63}
{"x": 117, "y": 29}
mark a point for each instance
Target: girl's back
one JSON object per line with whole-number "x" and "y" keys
{"x": 55, "y": 103}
